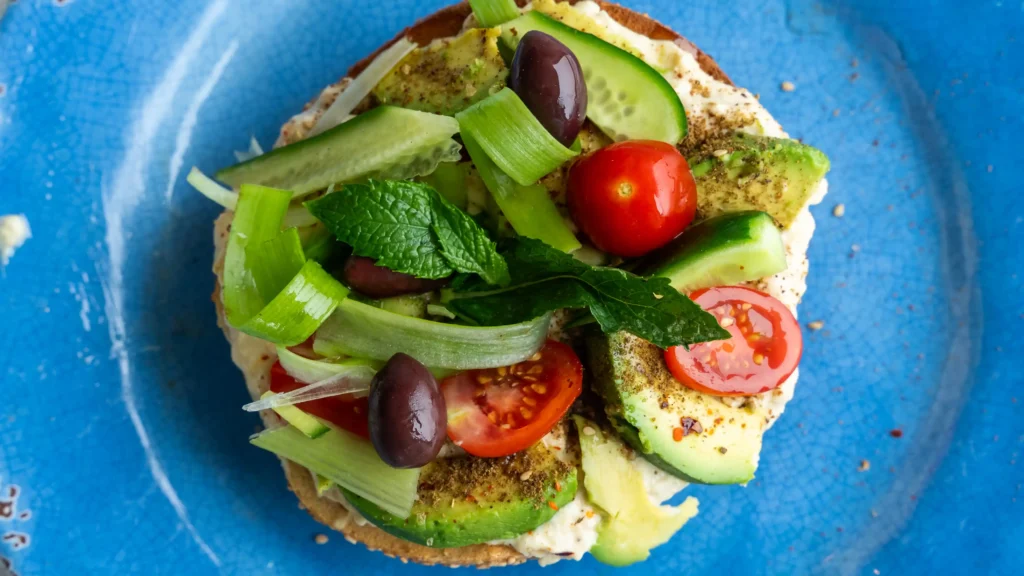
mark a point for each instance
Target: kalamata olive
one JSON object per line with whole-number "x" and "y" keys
{"x": 408, "y": 419}
{"x": 364, "y": 276}
{"x": 547, "y": 77}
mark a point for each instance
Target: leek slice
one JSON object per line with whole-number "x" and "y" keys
{"x": 310, "y": 371}
{"x": 296, "y": 313}
{"x": 354, "y": 378}
{"x": 211, "y": 189}
{"x": 348, "y": 461}
{"x": 259, "y": 298}
{"x": 491, "y": 13}
{"x": 275, "y": 262}
{"x": 257, "y": 220}
{"x": 358, "y": 329}
{"x": 513, "y": 138}
{"x": 360, "y": 87}
{"x": 529, "y": 209}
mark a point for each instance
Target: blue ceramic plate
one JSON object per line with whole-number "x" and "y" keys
{"x": 122, "y": 446}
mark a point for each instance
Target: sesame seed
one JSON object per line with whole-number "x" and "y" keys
{"x": 719, "y": 153}
{"x": 788, "y": 86}
{"x": 855, "y": 248}
{"x": 864, "y": 466}
{"x": 816, "y": 325}
{"x": 839, "y": 210}
{"x": 526, "y": 475}
{"x": 588, "y": 431}
{"x": 320, "y": 539}
{"x": 726, "y": 322}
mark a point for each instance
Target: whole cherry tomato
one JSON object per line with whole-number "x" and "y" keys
{"x": 632, "y": 197}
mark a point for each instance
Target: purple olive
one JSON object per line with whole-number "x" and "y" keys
{"x": 408, "y": 419}
{"x": 364, "y": 276}
{"x": 547, "y": 77}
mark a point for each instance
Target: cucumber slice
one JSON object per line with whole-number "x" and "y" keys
{"x": 729, "y": 249}
{"x": 628, "y": 99}
{"x": 386, "y": 142}
{"x": 305, "y": 423}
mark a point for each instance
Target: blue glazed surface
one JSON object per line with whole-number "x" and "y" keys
{"x": 119, "y": 419}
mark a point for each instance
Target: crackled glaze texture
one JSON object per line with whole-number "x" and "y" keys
{"x": 120, "y": 420}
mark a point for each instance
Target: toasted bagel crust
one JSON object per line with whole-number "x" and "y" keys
{"x": 443, "y": 23}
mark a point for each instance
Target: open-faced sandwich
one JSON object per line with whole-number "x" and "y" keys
{"x": 514, "y": 282}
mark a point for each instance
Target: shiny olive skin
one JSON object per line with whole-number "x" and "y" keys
{"x": 547, "y": 77}
{"x": 364, "y": 276}
{"x": 408, "y": 419}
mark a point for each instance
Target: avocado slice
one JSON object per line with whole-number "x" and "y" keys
{"x": 447, "y": 76}
{"x": 646, "y": 405}
{"x": 744, "y": 172}
{"x": 465, "y": 501}
{"x": 632, "y": 525}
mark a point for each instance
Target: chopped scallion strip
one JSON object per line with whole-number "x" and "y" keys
{"x": 348, "y": 461}
{"x": 365, "y": 331}
{"x": 513, "y": 138}
{"x": 491, "y": 13}
{"x": 296, "y": 313}
{"x": 259, "y": 298}
{"x": 360, "y": 87}
{"x": 529, "y": 209}
{"x": 208, "y": 187}
{"x": 311, "y": 371}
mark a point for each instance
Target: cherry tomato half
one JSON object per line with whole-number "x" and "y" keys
{"x": 764, "y": 349}
{"x": 500, "y": 411}
{"x": 632, "y": 197}
{"x": 346, "y": 412}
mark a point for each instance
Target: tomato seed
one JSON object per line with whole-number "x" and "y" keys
{"x": 484, "y": 379}
{"x": 525, "y": 412}
{"x": 758, "y": 359}
{"x": 539, "y": 388}
{"x": 529, "y": 401}
{"x": 535, "y": 357}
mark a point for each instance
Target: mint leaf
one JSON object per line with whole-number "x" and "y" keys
{"x": 544, "y": 279}
{"x": 465, "y": 245}
{"x": 408, "y": 227}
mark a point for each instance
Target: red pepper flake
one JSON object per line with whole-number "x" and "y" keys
{"x": 896, "y": 433}
{"x": 552, "y": 505}
{"x": 558, "y": 486}
{"x": 470, "y": 498}
{"x": 677, "y": 434}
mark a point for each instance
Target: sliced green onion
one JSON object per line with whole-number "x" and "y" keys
{"x": 257, "y": 220}
{"x": 257, "y": 299}
{"x": 529, "y": 209}
{"x": 275, "y": 262}
{"x": 414, "y": 306}
{"x": 296, "y": 313}
{"x": 491, "y": 13}
{"x": 364, "y": 331}
{"x": 513, "y": 138}
{"x": 208, "y": 187}
{"x": 311, "y": 371}
{"x": 319, "y": 244}
{"x": 360, "y": 87}
{"x": 386, "y": 142}
{"x": 354, "y": 378}
{"x": 305, "y": 423}
{"x": 348, "y": 461}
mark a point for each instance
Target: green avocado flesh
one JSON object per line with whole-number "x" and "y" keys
{"x": 646, "y": 404}
{"x": 465, "y": 501}
{"x": 632, "y": 524}
{"x": 773, "y": 175}
{"x": 448, "y": 75}
{"x": 725, "y": 250}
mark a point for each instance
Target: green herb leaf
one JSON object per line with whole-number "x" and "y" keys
{"x": 409, "y": 228}
{"x": 465, "y": 245}
{"x": 544, "y": 279}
